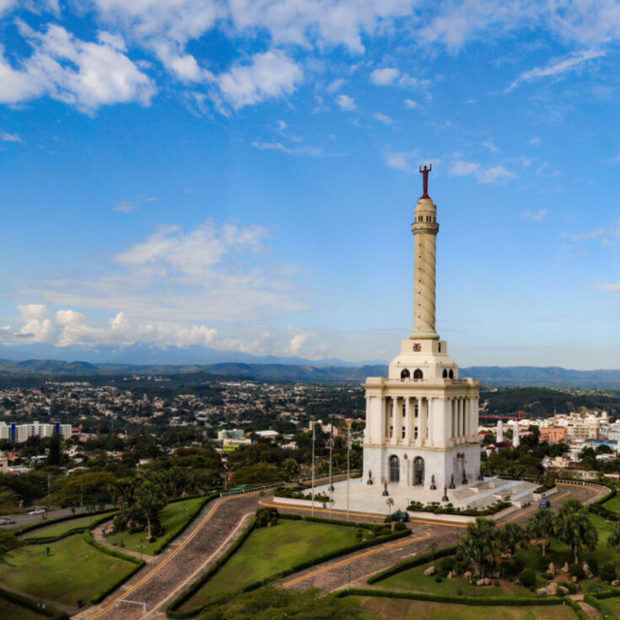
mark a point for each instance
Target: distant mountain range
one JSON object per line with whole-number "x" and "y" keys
{"x": 314, "y": 372}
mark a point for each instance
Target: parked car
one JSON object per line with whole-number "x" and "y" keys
{"x": 399, "y": 515}
{"x": 37, "y": 511}
{"x": 6, "y": 521}
{"x": 544, "y": 502}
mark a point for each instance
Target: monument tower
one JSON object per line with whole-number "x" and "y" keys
{"x": 422, "y": 421}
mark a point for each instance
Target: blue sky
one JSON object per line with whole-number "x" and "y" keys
{"x": 241, "y": 175}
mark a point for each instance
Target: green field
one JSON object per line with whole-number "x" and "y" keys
{"x": 270, "y": 550}
{"x": 376, "y": 608}
{"x": 12, "y": 611}
{"x": 74, "y": 570}
{"x": 60, "y": 528}
{"x": 611, "y": 606}
{"x": 173, "y": 518}
{"x": 414, "y": 580}
{"x": 613, "y": 504}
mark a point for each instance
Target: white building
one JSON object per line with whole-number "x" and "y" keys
{"x": 19, "y": 433}
{"x": 422, "y": 420}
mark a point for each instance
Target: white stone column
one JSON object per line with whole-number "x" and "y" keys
{"x": 408, "y": 421}
{"x": 394, "y": 419}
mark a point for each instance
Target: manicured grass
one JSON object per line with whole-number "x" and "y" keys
{"x": 613, "y": 504}
{"x": 60, "y": 528}
{"x": 173, "y": 518}
{"x": 376, "y": 608}
{"x": 414, "y": 580}
{"x": 611, "y": 606}
{"x": 12, "y": 611}
{"x": 74, "y": 570}
{"x": 270, "y": 550}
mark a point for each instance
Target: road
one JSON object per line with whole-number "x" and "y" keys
{"x": 26, "y": 519}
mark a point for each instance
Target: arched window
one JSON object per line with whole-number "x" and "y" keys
{"x": 394, "y": 469}
{"x": 418, "y": 470}
{"x": 405, "y": 374}
{"x": 445, "y": 373}
{"x": 417, "y": 374}
{"x": 451, "y": 374}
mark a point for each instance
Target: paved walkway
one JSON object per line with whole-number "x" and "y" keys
{"x": 355, "y": 569}
{"x": 212, "y": 532}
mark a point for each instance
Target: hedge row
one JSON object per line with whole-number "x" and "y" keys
{"x": 28, "y": 603}
{"x": 88, "y": 538}
{"x": 407, "y": 564}
{"x": 43, "y": 540}
{"x": 599, "y": 509}
{"x": 464, "y": 512}
{"x": 18, "y": 531}
{"x": 486, "y": 601}
{"x": 172, "y": 611}
{"x": 581, "y": 614}
{"x": 608, "y": 593}
{"x": 165, "y": 541}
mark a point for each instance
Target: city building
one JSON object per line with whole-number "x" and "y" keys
{"x": 553, "y": 434}
{"x": 19, "y": 433}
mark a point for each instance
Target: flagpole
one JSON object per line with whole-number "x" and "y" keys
{"x": 313, "y": 438}
{"x": 348, "y": 464}
{"x": 331, "y": 478}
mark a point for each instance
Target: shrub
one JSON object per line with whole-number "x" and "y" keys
{"x": 593, "y": 564}
{"x": 446, "y": 565}
{"x": 608, "y": 572}
{"x": 575, "y": 570}
{"x": 399, "y": 526}
{"x": 547, "y": 576}
{"x": 527, "y": 578}
{"x": 438, "y": 579}
{"x": 266, "y": 517}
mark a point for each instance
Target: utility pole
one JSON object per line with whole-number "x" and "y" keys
{"x": 331, "y": 478}
{"x": 348, "y": 463}
{"x": 313, "y": 439}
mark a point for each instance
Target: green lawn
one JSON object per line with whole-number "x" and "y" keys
{"x": 74, "y": 570}
{"x": 173, "y": 518}
{"x": 12, "y": 611}
{"x": 611, "y": 606}
{"x": 60, "y": 528}
{"x": 613, "y": 504}
{"x": 268, "y": 551}
{"x": 376, "y": 608}
{"x": 414, "y": 580}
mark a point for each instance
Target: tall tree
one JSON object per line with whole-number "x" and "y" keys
{"x": 512, "y": 536}
{"x": 542, "y": 527}
{"x": 575, "y": 528}
{"x": 614, "y": 540}
{"x": 481, "y": 545}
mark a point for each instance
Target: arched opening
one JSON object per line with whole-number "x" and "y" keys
{"x": 394, "y": 468}
{"x": 417, "y": 374}
{"x": 445, "y": 373}
{"x": 405, "y": 374}
{"x": 418, "y": 470}
{"x": 451, "y": 374}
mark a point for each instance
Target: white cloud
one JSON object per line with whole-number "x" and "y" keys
{"x": 494, "y": 174}
{"x": 311, "y": 151}
{"x": 212, "y": 273}
{"x": 400, "y": 161}
{"x": 383, "y": 118}
{"x": 125, "y": 206}
{"x": 607, "y": 287}
{"x": 270, "y": 74}
{"x": 10, "y": 137}
{"x": 385, "y": 76}
{"x": 490, "y": 145}
{"x": 411, "y": 104}
{"x": 298, "y": 341}
{"x": 534, "y": 216}
{"x": 463, "y": 168}
{"x": 82, "y": 73}
{"x": 336, "y": 85}
{"x": 534, "y": 140}
{"x": 346, "y": 103}
{"x": 556, "y": 67}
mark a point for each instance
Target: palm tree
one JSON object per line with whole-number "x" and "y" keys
{"x": 542, "y": 526}
{"x": 614, "y": 540}
{"x": 481, "y": 544}
{"x": 512, "y": 536}
{"x": 577, "y": 530}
